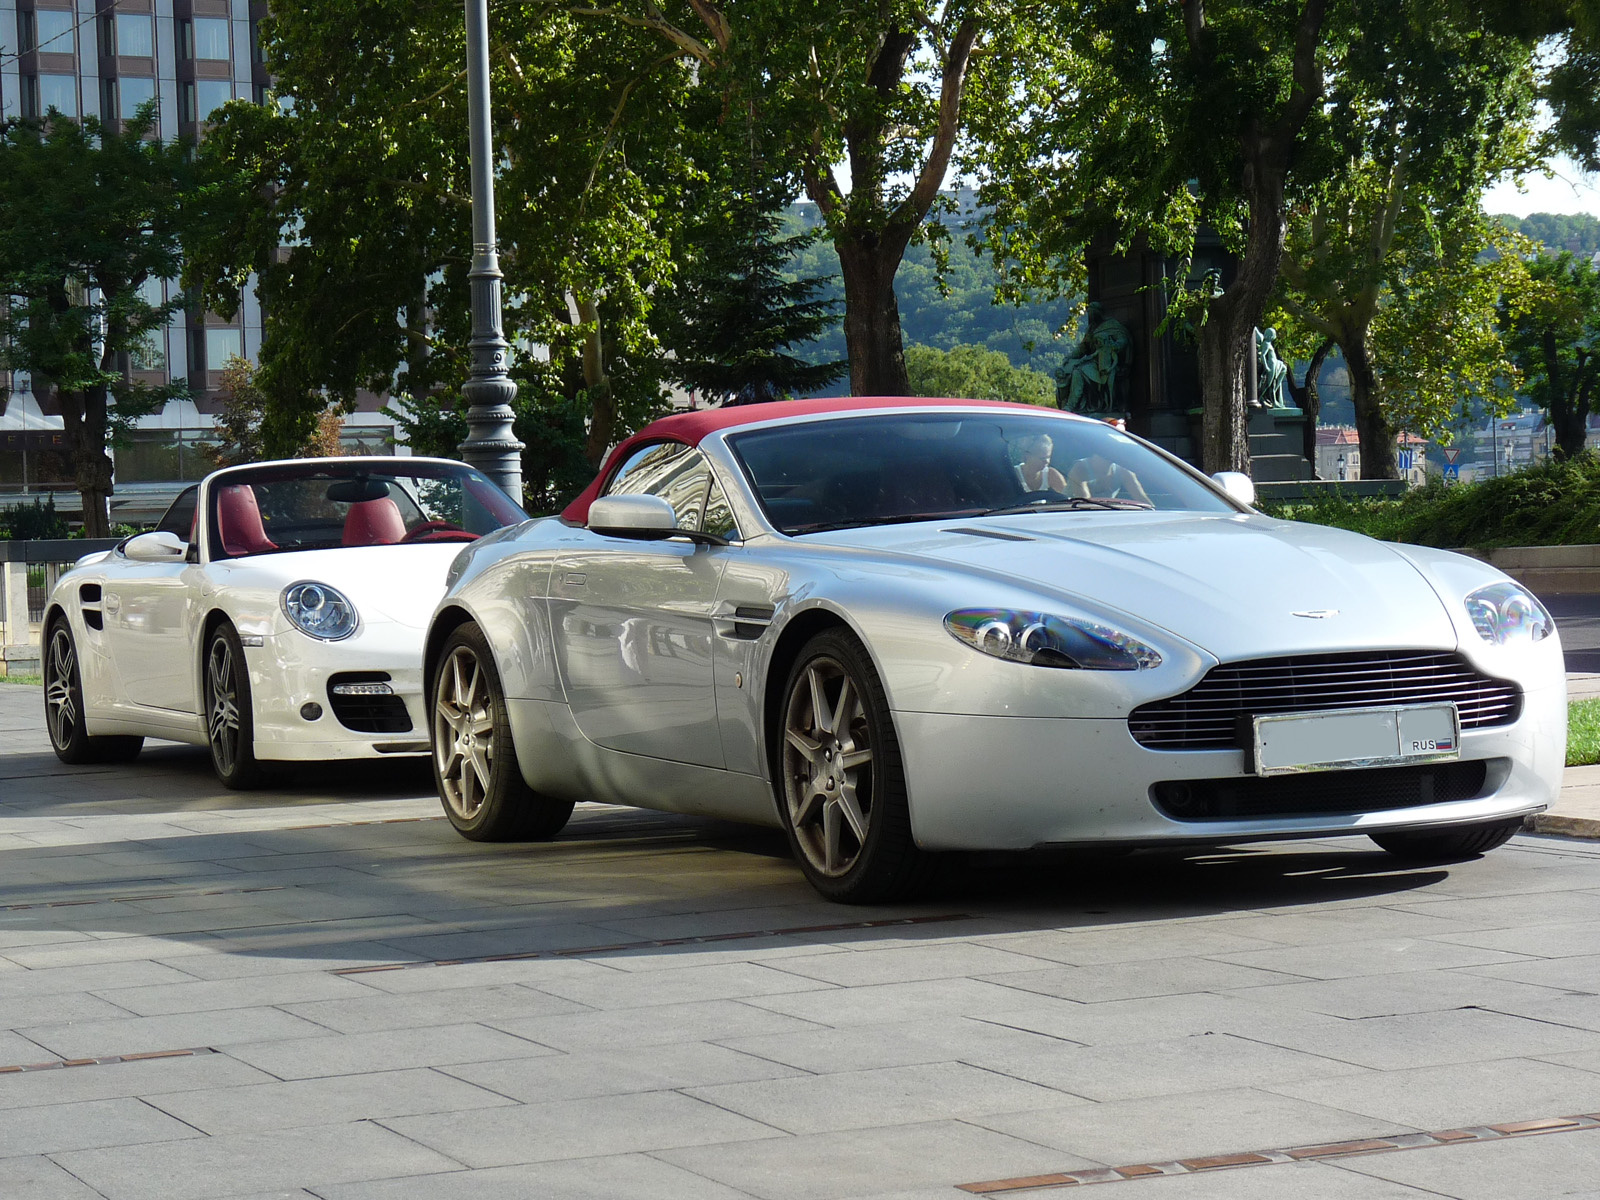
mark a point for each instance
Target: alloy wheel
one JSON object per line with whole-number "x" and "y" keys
{"x": 60, "y": 696}
{"x": 463, "y": 732}
{"x": 828, "y": 767}
{"x": 222, "y": 705}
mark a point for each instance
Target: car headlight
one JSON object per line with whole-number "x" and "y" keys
{"x": 1503, "y": 613}
{"x": 319, "y": 610}
{"x": 1048, "y": 641}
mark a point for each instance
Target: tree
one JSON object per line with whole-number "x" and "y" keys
{"x": 88, "y": 217}
{"x": 1555, "y": 338}
{"x": 347, "y": 198}
{"x": 976, "y": 373}
{"x": 1147, "y": 120}
{"x": 1430, "y": 106}
{"x": 731, "y": 315}
{"x": 242, "y": 411}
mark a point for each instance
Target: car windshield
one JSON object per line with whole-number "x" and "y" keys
{"x": 320, "y": 505}
{"x": 880, "y": 470}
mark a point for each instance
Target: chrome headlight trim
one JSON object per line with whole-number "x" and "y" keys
{"x": 1045, "y": 640}
{"x": 1504, "y": 613}
{"x": 320, "y": 611}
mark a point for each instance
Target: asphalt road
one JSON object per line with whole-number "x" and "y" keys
{"x": 1578, "y": 619}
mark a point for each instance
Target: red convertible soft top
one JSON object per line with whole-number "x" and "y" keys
{"x": 691, "y": 428}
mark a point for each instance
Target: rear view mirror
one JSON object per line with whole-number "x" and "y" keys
{"x": 1237, "y": 484}
{"x": 156, "y": 548}
{"x": 632, "y": 516}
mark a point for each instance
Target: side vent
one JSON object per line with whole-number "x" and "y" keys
{"x": 996, "y": 534}
{"x": 743, "y": 622}
{"x": 89, "y": 598}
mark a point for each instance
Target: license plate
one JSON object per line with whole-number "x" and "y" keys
{"x": 1345, "y": 738}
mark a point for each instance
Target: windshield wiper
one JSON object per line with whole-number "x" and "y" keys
{"x": 865, "y": 522}
{"x": 1066, "y": 504}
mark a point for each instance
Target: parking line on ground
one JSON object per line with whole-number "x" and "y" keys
{"x": 655, "y": 943}
{"x": 1262, "y": 1158}
{"x": 105, "y": 1060}
{"x": 138, "y": 899}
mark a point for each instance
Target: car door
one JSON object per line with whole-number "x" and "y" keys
{"x": 148, "y": 614}
{"x": 632, "y": 620}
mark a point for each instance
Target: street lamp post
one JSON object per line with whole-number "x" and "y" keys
{"x": 491, "y": 446}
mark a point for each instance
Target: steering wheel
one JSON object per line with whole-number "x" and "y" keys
{"x": 437, "y": 531}
{"x": 1039, "y": 496}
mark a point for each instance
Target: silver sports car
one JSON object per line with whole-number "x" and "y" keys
{"x": 894, "y": 627}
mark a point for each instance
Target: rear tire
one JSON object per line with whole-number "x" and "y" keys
{"x": 63, "y": 707}
{"x": 230, "y": 720}
{"x": 838, "y": 777}
{"x": 475, "y": 764}
{"x": 1448, "y": 845}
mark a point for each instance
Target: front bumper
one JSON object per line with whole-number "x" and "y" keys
{"x": 1014, "y": 783}
{"x": 289, "y": 671}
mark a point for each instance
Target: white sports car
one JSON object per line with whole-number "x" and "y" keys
{"x": 275, "y": 614}
{"x": 892, "y": 627}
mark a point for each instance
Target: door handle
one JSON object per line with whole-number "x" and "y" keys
{"x": 113, "y": 603}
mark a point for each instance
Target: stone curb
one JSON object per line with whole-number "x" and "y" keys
{"x": 1561, "y": 825}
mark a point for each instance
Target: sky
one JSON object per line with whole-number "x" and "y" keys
{"x": 1570, "y": 191}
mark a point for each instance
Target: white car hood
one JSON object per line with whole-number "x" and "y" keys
{"x": 1230, "y": 584}
{"x": 401, "y": 584}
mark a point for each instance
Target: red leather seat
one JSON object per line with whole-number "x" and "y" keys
{"x": 374, "y": 523}
{"x": 239, "y": 521}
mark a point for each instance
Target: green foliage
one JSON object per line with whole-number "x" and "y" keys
{"x": 34, "y": 680}
{"x": 731, "y": 314}
{"x": 1578, "y": 232}
{"x": 87, "y": 218}
{"x": 1554, "y": 329}
{"x": 974, "y": 372}
{"x": 1553, "y": 504}
{"x": 1583, "y": 733}
{"x": 32, "y": 522}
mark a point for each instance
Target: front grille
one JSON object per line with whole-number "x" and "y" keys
{"x": 367, "y": 714}
{"x": 1208, "y": 716}
{"x": 1319, "y": 792}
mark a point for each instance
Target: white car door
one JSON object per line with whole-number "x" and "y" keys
{"x": 149, "y": 615}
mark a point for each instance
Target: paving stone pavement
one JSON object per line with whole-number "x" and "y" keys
{"x": 654, "y": 1007}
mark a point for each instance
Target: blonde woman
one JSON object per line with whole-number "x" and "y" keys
{"x": 1033, "y": 466}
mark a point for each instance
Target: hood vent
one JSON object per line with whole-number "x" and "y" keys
{"x": 993, "y": 533}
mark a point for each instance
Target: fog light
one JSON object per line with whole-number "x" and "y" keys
{"x": 362, "y": 689}
{"x": 311, "y": 711}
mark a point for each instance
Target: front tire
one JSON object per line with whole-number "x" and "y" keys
{"x": 1447, "y": 845}
{"x": 474, "y": 759}
{"x": 230, "y": 720}
{"x": 840, "y": 783}
{"x": 63, "y": 707}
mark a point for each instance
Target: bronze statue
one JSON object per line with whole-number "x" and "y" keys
{"x": 1087, "y": 380}
{"x": 1272, "y": 373}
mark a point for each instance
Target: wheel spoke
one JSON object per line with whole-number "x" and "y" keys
{"x": 806, "y": 812}
{"x": 830, "y": 837}
{"x": 806, "y": 745}
{"x": 851, "y": 811}
{"x": 841, "y": 709}
{"x": 821, "y": 716}
{"x": 850, "y": 760}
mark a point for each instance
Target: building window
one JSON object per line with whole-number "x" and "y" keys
{"x": 30, "y": 97}
{"x": 257, "y": 54}
{"x": 135, "y": 90}
{"x": 210, "y": 38}
{"x": 222, "y": 345}
{"x": 59, "y": 92}
{"x": 210, "y": 95}
{"x": 135, "y": 35}
{"x": 164, "y": 455}
{"x": 52, "y": 32}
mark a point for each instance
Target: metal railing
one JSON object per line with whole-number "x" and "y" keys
{"x": 28, "y": 574}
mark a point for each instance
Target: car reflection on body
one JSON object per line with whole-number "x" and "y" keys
{"x": 275, "y": 614}
{"x": 853, "y": 619}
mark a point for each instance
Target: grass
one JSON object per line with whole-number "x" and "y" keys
{"x": 1583, "y": 733}
{"x": 33, "y": 679}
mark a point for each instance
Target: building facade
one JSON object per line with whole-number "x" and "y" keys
{"x": 105, "y": 58}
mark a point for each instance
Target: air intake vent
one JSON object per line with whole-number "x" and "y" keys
{"x": 1207, "y": 716}
{"x": 365, "y": 712}
{"x": 1380, "y": 790}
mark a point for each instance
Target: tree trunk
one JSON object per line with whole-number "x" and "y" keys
{"x": 1372, "y": 423}
{"x": 83, "y": 417}
{"x": 597, "y": 383}
{"x": 1308, "y": 396}
{"x": 1569, "y": 420}
{"x": 872, "y": 319}
{"x": 1224, "y": 357}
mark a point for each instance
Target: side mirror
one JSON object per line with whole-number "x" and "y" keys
{"x": 159, "y": 547}
{"x": 632, "y": 517}
{"x": 1237, "y": 484}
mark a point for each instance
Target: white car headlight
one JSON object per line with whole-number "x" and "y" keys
{"x": 1507, "y": 612}
{"x": 1043, "y": 640}
{"x": 321, "y": 611}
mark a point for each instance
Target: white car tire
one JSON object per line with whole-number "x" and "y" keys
{"x": 230, "y": 722}
{"x": 63, "y": 707}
